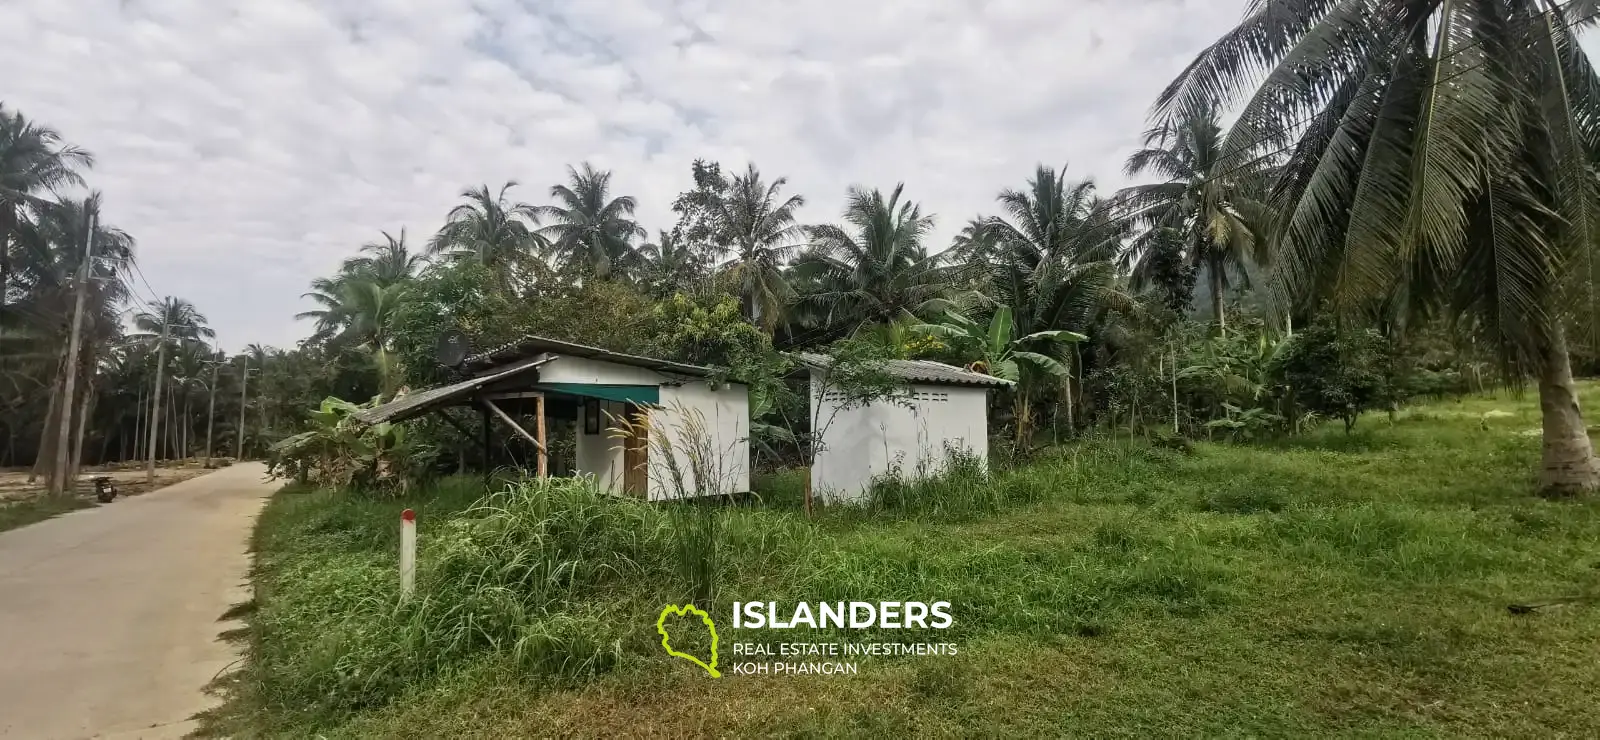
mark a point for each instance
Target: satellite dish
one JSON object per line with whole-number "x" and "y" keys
{"x": 452, "y": 348}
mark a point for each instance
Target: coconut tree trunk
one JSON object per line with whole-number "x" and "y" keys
{"x": 1216, "y": 297}
{"x": 8, "y": 224}
{"x": 1569, "y": 465}
{"x": 1023, "y": 411}
{"x": 76, "y": 460}
{"x": 47, "y": 448}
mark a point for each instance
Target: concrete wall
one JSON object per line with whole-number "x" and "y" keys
{"x": 863, "y": 442}
{"x": 600, "y": 455}
{"x": 726, "y": 419}
{"x": 724, "y": 415}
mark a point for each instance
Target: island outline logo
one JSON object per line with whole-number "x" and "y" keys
{"x": 686, "y": 609}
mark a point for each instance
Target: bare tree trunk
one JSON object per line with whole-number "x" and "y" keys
{"x": 1175, "y": 431}
{"x": 76, "y": 461}
{"x": 1023, "y": 412}
{"x": 1569, "y": 465}
{"x": 138, "y": 423}
{"x": 188, "y": 423}
{"x": 47, "y": 448}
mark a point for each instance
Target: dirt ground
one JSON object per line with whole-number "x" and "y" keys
{"x": 129, "y": 478}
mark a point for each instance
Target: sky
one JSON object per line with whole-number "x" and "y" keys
{"x": 252, "y": 146}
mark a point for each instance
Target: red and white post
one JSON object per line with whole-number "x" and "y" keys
{"x": 408, "y": 553}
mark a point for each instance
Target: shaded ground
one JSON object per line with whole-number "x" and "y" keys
{"x": 109, "y": 617}
{"x": 14, "y": 483}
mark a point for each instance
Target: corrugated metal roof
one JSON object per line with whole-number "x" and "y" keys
{"x": 532, "y": 345}
{"x": 919, "y": 371}
{"x": 417, "y": 403}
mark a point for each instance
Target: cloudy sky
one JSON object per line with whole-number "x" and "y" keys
{"x": 251, "y": 146}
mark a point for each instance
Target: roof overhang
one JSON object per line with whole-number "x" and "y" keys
{"x": 412, "y": 405}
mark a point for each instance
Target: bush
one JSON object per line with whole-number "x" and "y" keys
{"x": 339, "y": 452}
{"x": 1334, "y": 373}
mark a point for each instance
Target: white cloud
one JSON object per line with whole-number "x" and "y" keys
{"x": 250, "y": 146}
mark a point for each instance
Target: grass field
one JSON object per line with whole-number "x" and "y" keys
{"x": 1329, "y": 585}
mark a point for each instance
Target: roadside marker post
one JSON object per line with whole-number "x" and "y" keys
{"x": 408, "y": 553}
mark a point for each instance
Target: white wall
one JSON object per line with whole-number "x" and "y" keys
{"x": 725, "y": 415}
{"x": 565, "y": 369}
{"x": 600, "y": 455}
{"x": 863, "y": 442}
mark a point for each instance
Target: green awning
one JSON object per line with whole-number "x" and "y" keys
{"x": 644, "y": 395}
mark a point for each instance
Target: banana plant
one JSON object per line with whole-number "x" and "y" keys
{"x": 994, "y": 349}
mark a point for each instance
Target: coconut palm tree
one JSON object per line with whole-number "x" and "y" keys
{"x": 877, "y": 270}
{"x": 33, "y": 161}
{"x": 49, "y": 252}
{"x": 757, "y": 224}
{"x": 385, "y": 263}
{"x": 1212, "y": 209}
{"x": 496, "y": 232}
{"x": 1437, "y": 157}
{"x": 358, "y": 312}
{"x": 1054, "y": 265}
{"x": 165, "y": 323}
{"x": 669, "y": 263}
{"x": 587, "y": 227}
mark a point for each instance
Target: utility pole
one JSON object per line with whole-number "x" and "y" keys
{"x": 58, "y": 478}
{"x": 155, "y": 405}
{"x": 244, "y": 380}
{"x": 211, "y": 413}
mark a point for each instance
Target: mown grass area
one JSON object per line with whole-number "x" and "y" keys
{"x": 1332, "y": 584}
{"x": 21, "y": 513}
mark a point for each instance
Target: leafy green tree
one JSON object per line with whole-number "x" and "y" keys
{"x": 587, "y": 227}
{"x": 1439, "y": 158}
{"x": 1336, "y": 374}
{"x": 877, "y": 270}
{"x": 670, "y": 264}
{"x": 1203, "y": 206}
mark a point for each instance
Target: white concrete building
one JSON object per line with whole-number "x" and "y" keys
{"x": 944, "y": 408}
{"x": 689, "y": 425}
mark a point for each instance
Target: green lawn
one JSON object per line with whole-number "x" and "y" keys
{"x": 1332, "y": 585}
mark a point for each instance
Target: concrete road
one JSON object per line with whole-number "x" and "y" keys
{"x": 109, "y": 616}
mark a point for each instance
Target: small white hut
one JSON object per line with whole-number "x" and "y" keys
{"x": 944, "y": 408}
{"x": 682, "y": 412}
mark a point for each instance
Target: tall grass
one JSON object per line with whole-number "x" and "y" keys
{"x": 1336, "y": 585}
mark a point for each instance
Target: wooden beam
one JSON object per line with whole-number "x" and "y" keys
{"x": 538, "y": 412}
{"x": 489, "y": 404}
{"x": 516, "y": 394}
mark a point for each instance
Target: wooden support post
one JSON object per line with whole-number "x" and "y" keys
{"x": 538, "y": 412}
{"x": 505, "y": 417}
{"x": 488, "y": 464}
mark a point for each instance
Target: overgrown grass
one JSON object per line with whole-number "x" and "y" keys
{"x": 37, "y": 509}
{"x": 1335, "y": 584}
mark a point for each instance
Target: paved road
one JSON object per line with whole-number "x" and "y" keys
{"x": 108, "y": 616}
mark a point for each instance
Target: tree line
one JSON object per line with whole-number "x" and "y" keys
{"x": 1404, "y": 204}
